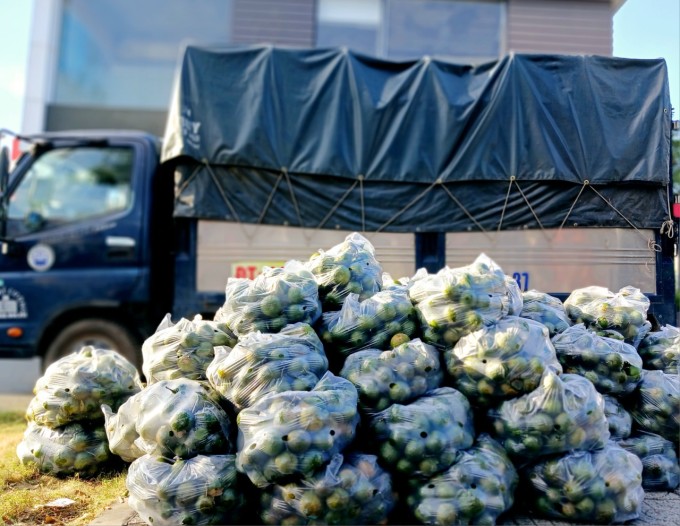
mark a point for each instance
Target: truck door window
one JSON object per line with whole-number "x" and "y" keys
{"x": 65, "y": 185}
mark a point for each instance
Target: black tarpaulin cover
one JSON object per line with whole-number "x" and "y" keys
{"x": 330, "y": 138}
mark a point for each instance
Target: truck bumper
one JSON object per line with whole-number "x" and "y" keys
{"x": 17, "y": 351}
{"x": 23, "y": 346}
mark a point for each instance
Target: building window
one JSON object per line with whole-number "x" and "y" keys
{"x": 351, "y": 23}
{"x": 123, "y": 54}
{"x": 465, "y": 31}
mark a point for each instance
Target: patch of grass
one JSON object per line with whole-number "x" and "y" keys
{"x": 9, "y": 418}
{"x": 23, "y": 488}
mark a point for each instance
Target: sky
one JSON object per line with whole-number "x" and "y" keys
{"x": 651, "y": 29}
{"x": 14, "y": 39}
{"x": 642, "y": 29}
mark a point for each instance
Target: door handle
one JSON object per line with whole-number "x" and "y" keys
{"x": 119, "y": 247}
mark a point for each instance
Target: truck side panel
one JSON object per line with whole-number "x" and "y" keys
{"x": 223, "y": 250}
{"x": 227, "y": 249}
{"x": 559, "y": 261}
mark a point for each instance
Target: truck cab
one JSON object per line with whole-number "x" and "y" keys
{"x": 81, "y": 226}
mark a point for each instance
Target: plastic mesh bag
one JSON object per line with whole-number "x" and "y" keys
{"x": 274, "y": 299}
{"x": 656, "y": 404}
{"x": 660, "y": 350}
{"x": 608, "y": 333}
{"x": 348, "y": 268}
{"x": 501, "y": 361}
{"x": 399, "y": 376}
{"x": 121, "y": 431}
{"x": 201, "y": 490}
{"x": 455, "y": 302}
{"x": 619, "y": 420}
{"x": 389, "y": 282}
{"x": 184, "y": 349}
{"x": 545, "y": 309}
{"x": 74, "y": 387}
{"x": 382, "y": 321}
{"x": 475, "y": 490}
{"x": 624, "y": 311}
{"x": 602, "y": 486}
{"x": 297, "y": 432}
{"x": 515, "y": 297}
{"x": 614, "y": 367}
{"x": 563, "y": 413}
{"x": 425, "y": 436}
{"x": 171, "y": 418}
{"x": 261, "y": 363}
{"x": 660, "y": 470}
{"x": 351, "y": 490}
{"x": 68, "y": 450}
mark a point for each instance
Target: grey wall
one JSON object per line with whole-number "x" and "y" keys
{"x": 560, "y": 26}
{"x": 60, "y": 117}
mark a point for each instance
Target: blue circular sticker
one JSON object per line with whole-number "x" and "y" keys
{"x": 41, "y": 257}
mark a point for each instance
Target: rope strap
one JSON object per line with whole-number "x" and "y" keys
{"x": 667, "y": 227}
{"x": 248, "y": 235}
{"x": 585, "y": 183}
{"x": 292, "y": 195}
{"x": 361, "y": 197}
{"x": 465, "y": 210}
{"x": 188, "y": 180}
{"x": 335, "y": 207}
{"x": 513, "y": 180}
{"x": 505, "y": 204}
{"x": 650, "y": 242}
{"x": 266, "y": 206}
{"x": 222, "y": 193}
{"x": 533, "y": 212}
{"x": 409, "y": 205}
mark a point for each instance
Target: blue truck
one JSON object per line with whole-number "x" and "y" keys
{"x": 556, "y": 167}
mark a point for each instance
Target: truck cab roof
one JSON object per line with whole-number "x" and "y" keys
{"x": 95, "y": 135}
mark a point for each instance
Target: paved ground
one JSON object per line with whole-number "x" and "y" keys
{"x": 658, "y": 509}
{"x": 18, "y": 376}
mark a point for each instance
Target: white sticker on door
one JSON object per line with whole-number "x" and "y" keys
{"x": 12, "y": 304}
{"x": 41, "y": 257}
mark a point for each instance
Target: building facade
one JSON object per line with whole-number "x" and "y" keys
{"x": 111, "y": 64}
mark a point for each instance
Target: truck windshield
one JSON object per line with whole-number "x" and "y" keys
{"x": 71, "y": 184}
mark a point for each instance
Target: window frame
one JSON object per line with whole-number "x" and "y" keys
{"x": 58, "y": 92}
{"x": 382, "y": 28}
{"x": 16, "y": 226}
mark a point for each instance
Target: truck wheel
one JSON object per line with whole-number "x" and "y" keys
{"x": 103, "y": 334}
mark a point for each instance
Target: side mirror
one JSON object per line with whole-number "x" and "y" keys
{"x": 4, "y": 185}
{"x": 4, "y": 170}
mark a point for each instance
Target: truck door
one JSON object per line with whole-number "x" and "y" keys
{"x": 75, "y": 226}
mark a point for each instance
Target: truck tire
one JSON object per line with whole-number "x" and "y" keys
{"x": 97, "y": 332}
